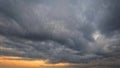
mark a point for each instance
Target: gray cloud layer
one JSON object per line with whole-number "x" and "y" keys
{"x": 60, "y": 30}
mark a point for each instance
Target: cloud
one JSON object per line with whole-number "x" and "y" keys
{"x": 59, "y": 31}
{"x": 110, "y": 25}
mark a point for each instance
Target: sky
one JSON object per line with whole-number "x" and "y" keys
{"x": 36, "y": 33}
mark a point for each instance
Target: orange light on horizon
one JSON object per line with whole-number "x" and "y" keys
{"x": 6, "y": 61}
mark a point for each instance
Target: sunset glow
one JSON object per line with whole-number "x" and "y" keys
{"x": 11, "y": 61}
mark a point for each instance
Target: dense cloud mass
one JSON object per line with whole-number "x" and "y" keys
{"x": 73, "y": 31}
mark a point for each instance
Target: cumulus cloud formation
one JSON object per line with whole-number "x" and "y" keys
{"x": 60, "y": 30}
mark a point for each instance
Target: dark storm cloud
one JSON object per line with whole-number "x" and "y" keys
{"x": 111, "y": 24}
{"x": 59, "y": 31}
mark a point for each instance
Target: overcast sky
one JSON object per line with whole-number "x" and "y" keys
{"x": 72, "y": 31}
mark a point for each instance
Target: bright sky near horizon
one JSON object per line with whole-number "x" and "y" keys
{"x": 16, "y": 62}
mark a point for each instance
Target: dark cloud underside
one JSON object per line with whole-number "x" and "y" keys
{"x": 60, "y": 30}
